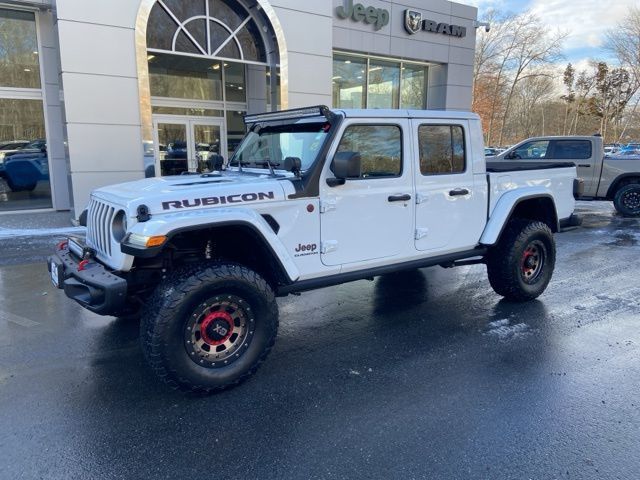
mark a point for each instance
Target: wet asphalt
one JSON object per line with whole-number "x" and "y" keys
{"x": 426, "y": 374}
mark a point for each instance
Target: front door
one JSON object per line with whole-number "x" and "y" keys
{"x": 369, "y": 217}
{"x": 184, "y": 144}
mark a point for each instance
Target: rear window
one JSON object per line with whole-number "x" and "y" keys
{"x": 571, "y": 149}
{"x": 442, "y": 149}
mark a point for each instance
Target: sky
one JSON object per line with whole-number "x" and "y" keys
{"x": 586, "y": 21}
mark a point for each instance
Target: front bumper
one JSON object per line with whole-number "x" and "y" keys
{"x": 92, "y": 286}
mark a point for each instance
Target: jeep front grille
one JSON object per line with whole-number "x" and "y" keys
{"x": 99, "y": 222}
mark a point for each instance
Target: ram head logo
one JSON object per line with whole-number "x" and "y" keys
{"x": 412, "y": 21}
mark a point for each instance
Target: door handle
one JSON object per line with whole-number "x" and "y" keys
{"x": 459, "y": 192}
{"x": 584, "y": 165}
{"x": 399, "y": 198}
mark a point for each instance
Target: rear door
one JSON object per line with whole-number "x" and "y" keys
{"x": 451, "y": 206}
{"x": 580, "y": 152}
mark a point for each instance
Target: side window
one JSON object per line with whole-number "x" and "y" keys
{"x": 379, "y": 146}
{"x": 571, "y": 150}
{"x": 442, "y": 149}
{"x": 531, "y": 151}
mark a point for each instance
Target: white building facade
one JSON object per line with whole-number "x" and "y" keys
{"x": 95, "y": 92}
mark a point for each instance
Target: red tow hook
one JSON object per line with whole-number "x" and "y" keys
{"x": 62, "y": 245}
{"x": 83, "y": 265}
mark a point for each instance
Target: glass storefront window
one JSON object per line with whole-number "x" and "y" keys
{"x": 349, "y": 82}
{"x": 176, "y": 76}
{"x": 234, "y": 79}
{"x": 413, "y": 94}
{"x": 360, "y": 82}
{"x": 384, "y": 84}
{"x": 19, "y": 59}
{"x": 24, "y": 163}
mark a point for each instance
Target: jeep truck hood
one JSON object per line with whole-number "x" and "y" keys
{"x": 191, "y": 192}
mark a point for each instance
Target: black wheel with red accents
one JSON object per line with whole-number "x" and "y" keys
{"x": 209, "y": 328}
{"x": 521, "y": 265}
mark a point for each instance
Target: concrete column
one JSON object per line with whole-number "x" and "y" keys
{"x": 256, "y": 89}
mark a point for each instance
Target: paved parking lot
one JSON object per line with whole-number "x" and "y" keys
{"x": 427, "y": 374}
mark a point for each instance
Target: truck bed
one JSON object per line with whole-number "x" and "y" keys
{"x": 518, "y": 165}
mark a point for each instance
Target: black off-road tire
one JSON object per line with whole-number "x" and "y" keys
{"x": 520, "y": 266}
{"x": 627, "y": 200}
{"x": 170, "y": 323}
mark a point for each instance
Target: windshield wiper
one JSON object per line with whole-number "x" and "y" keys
{"x": 267, "y": 163}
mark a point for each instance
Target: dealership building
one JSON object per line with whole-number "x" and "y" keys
{"x": 95, "y": 92}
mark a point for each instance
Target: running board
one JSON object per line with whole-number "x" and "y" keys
{"x": 452, "y": 259}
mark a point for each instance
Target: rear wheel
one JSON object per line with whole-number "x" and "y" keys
{"x": 209, "y": 328}
{"x": 520, "y": 266}
{"x": 627, "y": 200}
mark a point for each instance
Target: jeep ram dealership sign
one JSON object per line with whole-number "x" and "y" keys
{"x": 413, "y": 21}
{"x": 378, "y": 17}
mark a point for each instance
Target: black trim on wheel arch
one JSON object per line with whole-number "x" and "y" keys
{"x": 615, "y": 185}
{"x": 152, "y": 252}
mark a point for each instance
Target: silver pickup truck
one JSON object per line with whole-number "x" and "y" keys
{"x": 615, "y": 178}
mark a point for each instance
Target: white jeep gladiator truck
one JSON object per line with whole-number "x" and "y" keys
{"x": 615, "y": 178}
{"x": 312, "y": 197}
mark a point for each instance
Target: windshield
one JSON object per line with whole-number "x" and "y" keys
{"x": 272, "y": 145}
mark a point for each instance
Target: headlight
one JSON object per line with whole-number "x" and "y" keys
{"x": 119, "y": 226}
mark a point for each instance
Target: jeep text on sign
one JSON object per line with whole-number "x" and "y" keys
{"x": 377, "y": 17}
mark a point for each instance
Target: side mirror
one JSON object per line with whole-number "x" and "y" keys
{"x": 347, "y": 165}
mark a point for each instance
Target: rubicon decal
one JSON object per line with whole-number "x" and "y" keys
{"x": 212, "y": 201}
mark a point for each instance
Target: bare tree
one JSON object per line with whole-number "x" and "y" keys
{"x": 624, "y": 42}
{"x": 534, "y": 49}
{"x": 569, "y": 80}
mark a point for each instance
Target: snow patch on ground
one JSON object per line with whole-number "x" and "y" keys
{"x": 39, "y": 232}
{"x": 504, "y": 330}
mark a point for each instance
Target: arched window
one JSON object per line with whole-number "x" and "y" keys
{"x": 208, "y": 28}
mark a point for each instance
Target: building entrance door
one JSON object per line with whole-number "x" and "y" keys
{"x": 183, "y": 144}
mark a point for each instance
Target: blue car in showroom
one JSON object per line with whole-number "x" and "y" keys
{"x": 23, "y": 171}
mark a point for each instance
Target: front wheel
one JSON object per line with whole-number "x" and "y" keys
{"x": 209, "y": 328}
{"x": 627, "y": 200}
{"x": 520, "y": 266}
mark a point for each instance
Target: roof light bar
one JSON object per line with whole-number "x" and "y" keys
{"x": 308, "y": 112}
